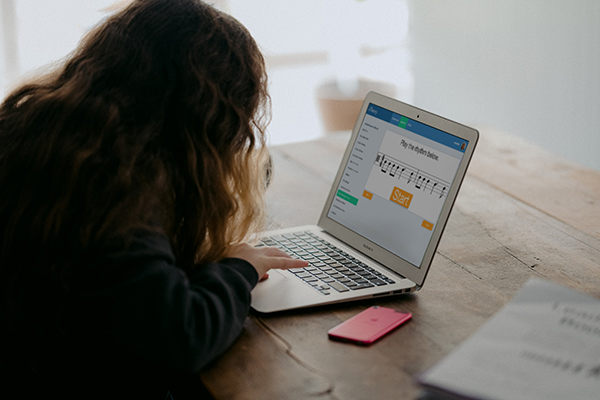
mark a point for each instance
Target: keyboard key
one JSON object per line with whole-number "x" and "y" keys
{"x": 330, "y": 268}
{"x": 366, "y": 285}
{"x": 378, "y": 282}
{"x": 296, "y": 270}
{"x": 339, "y": 287}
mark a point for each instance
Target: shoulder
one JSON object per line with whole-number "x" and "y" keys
{"x": 147, "y": 255}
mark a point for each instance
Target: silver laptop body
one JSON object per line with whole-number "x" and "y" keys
{"x": 385, "y": 213}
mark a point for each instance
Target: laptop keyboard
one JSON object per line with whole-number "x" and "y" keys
{"x": 330, "y": 269}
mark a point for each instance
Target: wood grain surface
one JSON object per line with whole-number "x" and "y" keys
{"x": 521, "y": 212}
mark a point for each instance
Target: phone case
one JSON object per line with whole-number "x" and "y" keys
{"x": 369, "y": 325}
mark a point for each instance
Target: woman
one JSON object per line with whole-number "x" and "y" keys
{"x": 131, "y": 178}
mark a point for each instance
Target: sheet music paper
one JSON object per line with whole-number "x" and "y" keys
{"x": 544, "y": 344}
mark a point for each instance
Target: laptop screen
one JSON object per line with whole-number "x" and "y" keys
{"x": 396, "y": 181}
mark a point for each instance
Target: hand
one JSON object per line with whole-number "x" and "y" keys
{"x": 265, "y": 258}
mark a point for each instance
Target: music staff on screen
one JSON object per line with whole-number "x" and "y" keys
{"x": 421, "y": 180}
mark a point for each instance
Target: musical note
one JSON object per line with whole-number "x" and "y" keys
{"x": 418, "y": 182}
{"x": 386, "y": 164}
{"x": 422, "y": 180}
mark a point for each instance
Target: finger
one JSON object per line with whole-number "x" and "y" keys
{"x": 287, "y": 263}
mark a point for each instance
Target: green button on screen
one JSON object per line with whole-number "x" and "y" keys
{"x": 403, "y": 121}
{"x": 347, "y": 197}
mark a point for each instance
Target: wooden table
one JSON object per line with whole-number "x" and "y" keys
{"x": 521, "y": 212}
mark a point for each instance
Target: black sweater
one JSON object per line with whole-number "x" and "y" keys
{"x": 135, "y": 328}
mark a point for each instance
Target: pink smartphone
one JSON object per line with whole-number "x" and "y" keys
{"x": 369, "y": 325}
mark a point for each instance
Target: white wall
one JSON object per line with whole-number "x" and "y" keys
{"x": 9, "y": 56}
{"x": 34, "y": 33}
{"x": 529, "y": 67}
{"x": 305, "y": 43}
{"x": 309, "y": 42}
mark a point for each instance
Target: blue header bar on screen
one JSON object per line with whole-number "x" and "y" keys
{"x": 418, "y": 128}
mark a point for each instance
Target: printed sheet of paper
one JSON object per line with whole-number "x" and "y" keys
{"x": 544, "y": 344}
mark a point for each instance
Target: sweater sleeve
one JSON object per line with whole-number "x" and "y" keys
{"x": 145, "y": 304}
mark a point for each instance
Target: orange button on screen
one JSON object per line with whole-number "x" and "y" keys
{"x": 427, "y": 225}
{"x": 401, "y": 197}
{"x": 368, "y": 195}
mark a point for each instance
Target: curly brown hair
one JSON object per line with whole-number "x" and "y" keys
{"x": 156, "y": 121}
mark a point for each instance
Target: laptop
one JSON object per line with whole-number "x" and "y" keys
{"x": 385, "y": 213}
